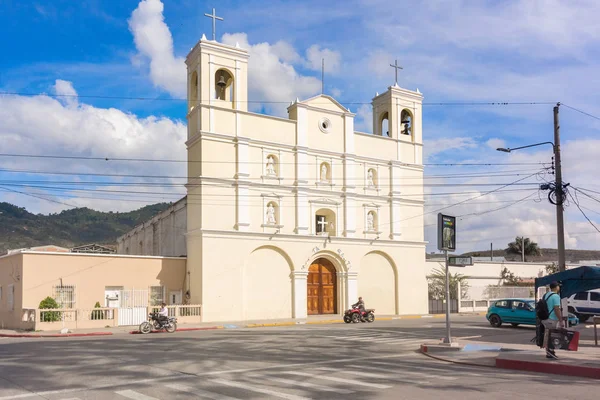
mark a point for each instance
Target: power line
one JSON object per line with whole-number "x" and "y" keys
{"x": 88, "y": 158}
{"x": 574, "y": 198}
{"x": 580, "y": 111}
{"x": 519, "y": 172}
{"x": 85, "y": 96}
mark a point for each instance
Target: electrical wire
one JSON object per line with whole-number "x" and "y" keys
{"x": 576, "y": 201}
{"x": 580, "y": 111}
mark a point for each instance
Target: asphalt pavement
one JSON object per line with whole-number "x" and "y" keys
{"x": 338, "y": 361}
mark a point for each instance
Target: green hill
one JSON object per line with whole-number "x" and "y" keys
{"x": 20, "y": 228}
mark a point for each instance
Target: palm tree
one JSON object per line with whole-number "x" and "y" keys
{"x": 520, "y": 243}
{"x": 437, "y": 284}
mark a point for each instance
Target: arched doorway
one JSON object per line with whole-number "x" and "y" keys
{"x": 322, "y": 288}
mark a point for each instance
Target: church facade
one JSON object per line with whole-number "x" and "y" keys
{"x": 290, "y": 217}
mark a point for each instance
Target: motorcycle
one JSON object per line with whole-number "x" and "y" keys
{"x": 153, "y": 323}
{"x": 354, "y": 315}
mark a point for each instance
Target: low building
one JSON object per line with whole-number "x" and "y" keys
{"x": 78, "y": 281}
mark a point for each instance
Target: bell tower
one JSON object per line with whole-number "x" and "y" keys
{"x": 217, "y": 77}
{"x": 397, "y": 114}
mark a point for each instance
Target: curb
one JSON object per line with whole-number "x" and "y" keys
{"x": 549, "y": 368}
{"x": 55, "y": 335}
{"x": 208, "y": 328}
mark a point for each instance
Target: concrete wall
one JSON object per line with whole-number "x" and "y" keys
{"x": 162, "y": 235}
{"x": 11, "y": 279}
{"x": 92, "y": 273}
{"x": 266, "y": 275}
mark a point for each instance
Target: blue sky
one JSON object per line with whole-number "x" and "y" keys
{"x": 453, "y": 51}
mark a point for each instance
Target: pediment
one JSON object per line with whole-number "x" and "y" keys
{"x": 326, "y": 201}
{"x": 325, "y": 102}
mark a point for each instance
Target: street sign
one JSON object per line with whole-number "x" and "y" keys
{"x": 460, "y": 261}
{"x": 446, "y": 232}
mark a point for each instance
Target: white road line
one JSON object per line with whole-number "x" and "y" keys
{"x": 361, "y": 373}
{"x": 342, "y": 380}
{"x": 404, "y": 372}
{"x": 307, "y": 385}
{"x": 200, "y": 392}
{"x": 418, "y": 367}
{"x": 212, "y": 373}
{"x": 245, "y": 386}
{"x": 130, "y": 394}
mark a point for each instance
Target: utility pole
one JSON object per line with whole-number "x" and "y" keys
{"x": 523, "y": 248}
{"x": 492, "y": 251}
{"x": 560, "y": 227}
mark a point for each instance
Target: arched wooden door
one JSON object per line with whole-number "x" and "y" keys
{"x": 322, "y": 288}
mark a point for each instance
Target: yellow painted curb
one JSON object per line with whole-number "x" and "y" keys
{"x": 329, "y": 321}
{"x": 270, "y": 324}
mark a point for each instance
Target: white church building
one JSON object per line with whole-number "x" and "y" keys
{"x": 290, "y": 217}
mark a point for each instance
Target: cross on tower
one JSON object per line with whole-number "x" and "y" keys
{"x": 214, "y": 22}
{"x": 322, "y": 224}
{"x": 396, "y": 67}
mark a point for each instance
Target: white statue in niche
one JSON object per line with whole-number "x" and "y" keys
{"x": 370, "y": 178}
{"x": 370, "y": 222}
{"x": 271, "y": 166}
{"x": 271, "y": 215}
{"x": 324, "y": 172}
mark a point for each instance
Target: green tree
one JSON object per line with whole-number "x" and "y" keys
{"x": 49, "y": 316}
{"x": 98, "y": 313}
{"x": 437, "y": 284}
{"x": 551, "y": 268}
{"x": 520, "y": 243}
{"x": 511, "y": 279}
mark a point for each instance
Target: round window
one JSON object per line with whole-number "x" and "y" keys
{"x": 324, "y": 124}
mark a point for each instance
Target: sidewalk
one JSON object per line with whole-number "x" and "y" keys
{"x": 123, "y": 330}
{"x": 582, "y": 363}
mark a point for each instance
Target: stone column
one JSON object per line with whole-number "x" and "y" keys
{"x": 300, "y": 294}
{"x": 352, "y": 288}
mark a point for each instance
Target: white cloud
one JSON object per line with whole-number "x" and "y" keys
{"x": 495, "y": 143}
{"x": 59, "y": 128}
{"x": 315, "y": 54}
{"x": 364, "y": 118}
{"x": 286, "y": 52}
{"x": 270, "y": 78}
{"x": 153, "y": 40}
{"x": 65, "y": 92}
{"x": 437, "y": 146}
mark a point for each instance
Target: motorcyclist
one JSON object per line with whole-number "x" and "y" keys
{"x": 163, "y": 314}
{"x": 361, "y": 306}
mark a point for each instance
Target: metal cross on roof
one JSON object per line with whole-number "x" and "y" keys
{"x": 396, "y": 67}
{"x": 214, "y": 22}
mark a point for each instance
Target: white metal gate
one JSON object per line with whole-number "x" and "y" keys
{"x": 133, "y": 306}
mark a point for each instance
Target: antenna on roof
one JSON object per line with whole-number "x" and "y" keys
{"x": 322, "y": 76}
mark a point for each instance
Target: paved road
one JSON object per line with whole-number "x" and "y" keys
{"x": 362, "y": 361}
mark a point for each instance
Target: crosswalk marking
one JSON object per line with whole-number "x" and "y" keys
{"x": 200, "y": 392}
{"x": 342, "y": 380}
{"x": 258, "y": 389}
{"x": 413, "y": 373}
{"x": 130, "y": 394}
{"x": 308, "y": 385}
{"x": 419, "y": 367}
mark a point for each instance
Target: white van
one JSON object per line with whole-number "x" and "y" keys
{"x": 585, "y": 304}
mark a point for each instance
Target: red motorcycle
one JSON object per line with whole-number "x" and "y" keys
{"x": 354, "y": 315}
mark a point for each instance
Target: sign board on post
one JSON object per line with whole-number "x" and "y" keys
{"x": 446, "y": 232}
{"x": 460, "y": 261}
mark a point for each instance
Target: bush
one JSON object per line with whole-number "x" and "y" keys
{"x": 49, "y": 316}
{"x": 97, "y": 314}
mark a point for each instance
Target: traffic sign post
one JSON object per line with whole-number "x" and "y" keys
{"x": 447, "y": 242}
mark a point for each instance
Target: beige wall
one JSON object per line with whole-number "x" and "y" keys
{"x": 263, "y": 278}
{"x": 11, "y": 273}
{"x": 91, "y": 273}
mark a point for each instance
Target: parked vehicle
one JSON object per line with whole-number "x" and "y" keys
{"x": 354, "y": 315}
{"x": 154, "y": 323}
{"x": 585, "y": 304}
{"x": 516, "y": 312}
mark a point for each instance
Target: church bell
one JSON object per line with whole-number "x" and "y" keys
{"x": 221, "y": 83}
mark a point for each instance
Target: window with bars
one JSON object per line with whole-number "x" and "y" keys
{"x": 64, "y": 296}
{"x": 157, "y": 295}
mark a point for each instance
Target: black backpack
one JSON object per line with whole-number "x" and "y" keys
{"x": 541, "y": 308}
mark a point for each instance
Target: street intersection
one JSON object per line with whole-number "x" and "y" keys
{"x": 338, "y": 361}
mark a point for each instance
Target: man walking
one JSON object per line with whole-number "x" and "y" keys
{"x": 554, "y": 320}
